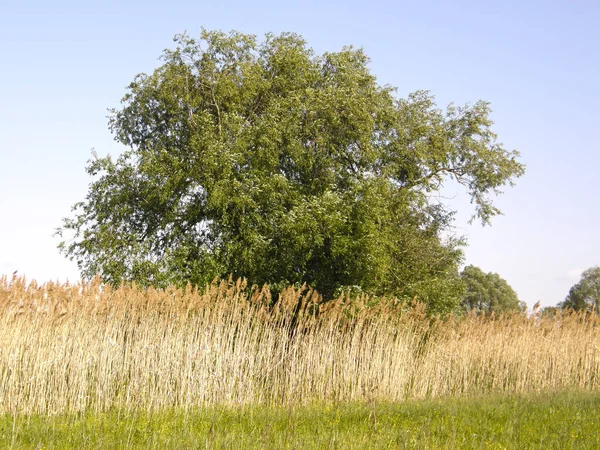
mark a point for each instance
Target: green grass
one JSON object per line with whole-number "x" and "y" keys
{"x": 568, "y": 420}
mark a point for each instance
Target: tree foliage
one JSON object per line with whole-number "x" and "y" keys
{"x": 585, "y": 295}
{"x": 264, "y": 160}
{"x": 488, "y": 292}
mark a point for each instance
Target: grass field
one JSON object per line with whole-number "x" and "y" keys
{"x": 568, "y": 420}
{"x": 88, "y": 347}
{"x": 87, "y": 366}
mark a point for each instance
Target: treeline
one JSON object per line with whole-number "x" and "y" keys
{"x": 264, "y": 160}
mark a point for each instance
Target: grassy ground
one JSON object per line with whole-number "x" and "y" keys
{"x": 560, "y": 420}
{"x": 153, "y": 358}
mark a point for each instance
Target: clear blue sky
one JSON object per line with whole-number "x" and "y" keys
{"x": 64, "y": 63}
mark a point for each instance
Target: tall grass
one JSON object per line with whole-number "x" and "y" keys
{"x": 90, "y": 347}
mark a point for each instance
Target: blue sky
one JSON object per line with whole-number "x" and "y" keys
{"x": 64, "y": 63}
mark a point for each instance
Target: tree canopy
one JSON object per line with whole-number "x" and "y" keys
{"x": 585, "y": 295}
{"x": 488, "y": 292}
{"x": 267, "y": 161}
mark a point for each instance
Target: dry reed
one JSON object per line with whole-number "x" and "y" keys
{"x": 88, "y": 346}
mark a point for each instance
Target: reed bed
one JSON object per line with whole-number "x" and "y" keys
{"x": 68, "y": 348}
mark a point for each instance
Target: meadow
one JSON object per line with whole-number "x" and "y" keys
{"x": 567, "y": 420}
{"x": 79, "y": 353}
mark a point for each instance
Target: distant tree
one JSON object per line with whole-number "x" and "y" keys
{"x": 488, "y": 292}
{"x": 585, "y": 295}
{"x": 266, "y": 161}
{"x": 550, "y": 311}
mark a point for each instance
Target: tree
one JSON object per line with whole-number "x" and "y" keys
{"x": 550, "y": 312}
{"x": 264, "y": 160}
{"x": 585, "y": 295}
{"x": 488, "y": 292}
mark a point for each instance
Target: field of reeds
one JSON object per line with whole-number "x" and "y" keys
{"x": 88, "y": 347}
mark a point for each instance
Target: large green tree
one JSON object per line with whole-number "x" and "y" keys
{"x": 488, "y": 292}
{"x": 585, "y": 295}
{"x": 265, "y": 160}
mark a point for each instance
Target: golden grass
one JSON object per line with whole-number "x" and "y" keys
{"x": 87, "y": 346}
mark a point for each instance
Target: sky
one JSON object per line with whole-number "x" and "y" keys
{"x": 65, "y": 63}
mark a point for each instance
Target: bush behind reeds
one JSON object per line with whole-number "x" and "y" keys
{"x": 89, "y": 346}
